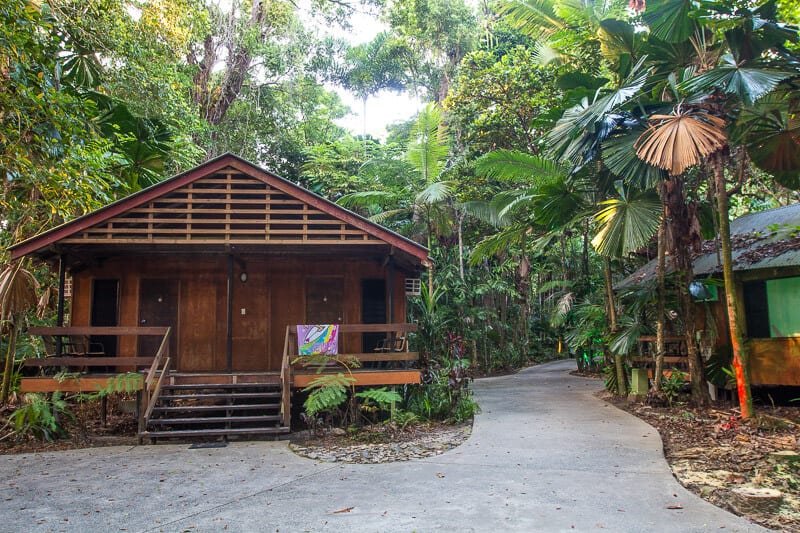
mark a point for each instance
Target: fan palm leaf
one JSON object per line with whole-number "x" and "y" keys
{"x": 678, "y": 141}
{"x": 748, "y": 81}
{"x": 669, "y": 19}
{"x": 17, "y": 291}
{"x": 435, "y": 192}
{"x": 627, "y": 223}
{"x": 620, "y": 158}
{"x": 772, "y": 138}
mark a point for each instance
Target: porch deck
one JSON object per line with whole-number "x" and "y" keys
{"x": 231, "y": 397}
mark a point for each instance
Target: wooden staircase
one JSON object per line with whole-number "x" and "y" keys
{"x": 208, "y": 410}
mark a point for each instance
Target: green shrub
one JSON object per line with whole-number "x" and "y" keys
{"x": 40, "y": 417}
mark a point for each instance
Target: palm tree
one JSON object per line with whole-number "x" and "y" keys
{"x": 430, "y": 212}
{"x": 753, "y": 62}
{"x": 17, "y": 296}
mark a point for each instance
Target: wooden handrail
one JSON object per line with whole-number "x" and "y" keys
{"x": 152, "y": 398}
{"x": 377, "y": 328}
{"x": 151, "y": 393}
{"x": 96, "y": 330}
{"x": 286, "y": 382}
{"x": 89, "y": 361}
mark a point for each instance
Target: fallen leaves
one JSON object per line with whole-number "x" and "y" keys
{"x": 345, "y": 510}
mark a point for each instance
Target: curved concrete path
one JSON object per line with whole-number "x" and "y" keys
{"x": 545, "y": 455}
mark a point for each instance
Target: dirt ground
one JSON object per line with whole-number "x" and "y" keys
{"x": 712, "y": 452}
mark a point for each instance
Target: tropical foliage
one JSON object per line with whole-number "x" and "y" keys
{"x": 560, "y": 145}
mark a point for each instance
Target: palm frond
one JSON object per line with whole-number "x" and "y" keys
{"x": 513, "y": 165}
{"x": 428, "y": 146}
{"x": 435, "y": 192}
{"x": 620, "y": 158}
{"x": 535, "y": 18}
{"x": 386, "y": 216}
{"x": 365, "y": 199}
{"x": 681, "y": 140}
{"x": 669, "y": 19}
{"x": 495, "y": 244}
{"x": 627, "y": 223}
{"x": 17, "y": 291}
{"x": 747, "y": 81}
{"x": 772, "y": 136}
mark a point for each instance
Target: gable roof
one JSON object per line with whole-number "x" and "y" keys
{"x": 253, "y": 207}
{"x": 765, "y": 239}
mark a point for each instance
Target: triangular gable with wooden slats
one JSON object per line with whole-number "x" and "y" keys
{"x": 224, "y": 201}
{"x": 227, "y": 207}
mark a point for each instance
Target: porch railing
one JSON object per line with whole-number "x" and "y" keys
{"x": 157, "y": 366}
{"x": 154, "y": 379}
{"x": 299, "y": 375}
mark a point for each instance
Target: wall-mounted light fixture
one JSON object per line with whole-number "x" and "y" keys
{"x": 243, "y": 276}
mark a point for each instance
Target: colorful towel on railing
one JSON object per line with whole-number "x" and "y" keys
{"x": 318, "y": 339}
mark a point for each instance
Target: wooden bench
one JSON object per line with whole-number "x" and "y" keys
{"x": 675, "y": 355}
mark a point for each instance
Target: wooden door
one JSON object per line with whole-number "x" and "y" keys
{"x": 373, "y": 311}
{"x": 158, "y": 306}
{"x": 105, "y": 312}
{"x": 325, "y": 300}
{"x": 251, "y": 324}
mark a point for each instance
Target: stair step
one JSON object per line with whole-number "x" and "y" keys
{"x": 191, "y": 386}
{"x": 205, "y": 408}
{"x": 220, "y": 395}
{"x": 216, "y": 419}
{"x": 213, "y": 432}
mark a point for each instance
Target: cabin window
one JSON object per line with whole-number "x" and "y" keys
{"x": 771, "y": 308}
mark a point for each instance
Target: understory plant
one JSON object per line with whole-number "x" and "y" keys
{"x": 40, "y": 417}
{"x": 328, "y": 393}
{"x": 444, "y": 393}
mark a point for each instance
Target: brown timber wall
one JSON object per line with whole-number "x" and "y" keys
{"x": 273, "y": 296}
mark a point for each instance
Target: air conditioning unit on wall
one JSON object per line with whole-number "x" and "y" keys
{"x": 413, "y": 286}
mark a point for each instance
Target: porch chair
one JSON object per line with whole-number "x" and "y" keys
{"x": 395, "y": 343}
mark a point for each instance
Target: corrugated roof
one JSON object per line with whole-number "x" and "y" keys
{"x": 765, "y": 239}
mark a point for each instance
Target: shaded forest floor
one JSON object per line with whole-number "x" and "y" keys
{"x": 712, "y": 452}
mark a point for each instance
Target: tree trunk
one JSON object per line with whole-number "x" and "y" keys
{"x": 661, "y": 295}
{"x": 622, "y": 388}
{"x": 682, "y": 244}
{"x": 585, "y": 250}
{"x": 460, "y": 217}
{"x": 8, "y": 369}
{"x": 740, "y": 355}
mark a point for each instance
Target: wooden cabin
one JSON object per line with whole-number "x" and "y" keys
{"x": 766, "y": 257}
{"x": 221, "y": 263}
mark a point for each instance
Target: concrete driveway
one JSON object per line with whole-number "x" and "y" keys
{"x": 545, "y": 455}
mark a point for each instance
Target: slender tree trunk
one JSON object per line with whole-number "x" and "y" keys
{"x": 622, "y": 388}
{"x": 739, "y": 348}
{"x": 661, "y": 296}
{"x": 430, "y": 267}
{"x": 460, "y": 216}
{"x": 8, "y": 369}
{"x": 585, "y": 250}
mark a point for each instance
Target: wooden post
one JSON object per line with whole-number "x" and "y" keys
{"x": 62, "y": 276}
{"x": 390, "y": 299}
{"x": 229, "y": 344}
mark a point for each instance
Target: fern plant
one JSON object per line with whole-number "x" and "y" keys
{"x": 327, "y": 393}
